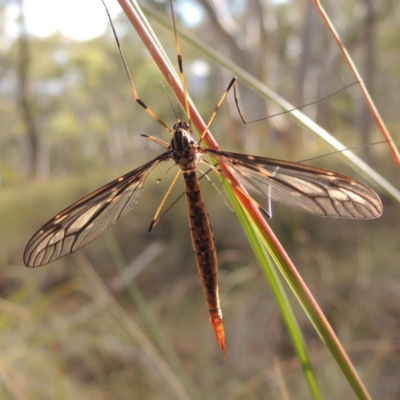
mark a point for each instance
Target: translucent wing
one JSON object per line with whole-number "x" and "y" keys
{"x": 310, "y": 189}
{"x": 86, "y": 219}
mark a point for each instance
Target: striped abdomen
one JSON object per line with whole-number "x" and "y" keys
{"x": 204, "y": 248}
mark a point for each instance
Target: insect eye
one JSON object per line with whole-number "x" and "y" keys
{"x": 181, "y": 125}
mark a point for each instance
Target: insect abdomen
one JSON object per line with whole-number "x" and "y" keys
{"x": 204, "y": 248}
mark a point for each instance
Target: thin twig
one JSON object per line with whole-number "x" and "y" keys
{"x": 364, "y": 90}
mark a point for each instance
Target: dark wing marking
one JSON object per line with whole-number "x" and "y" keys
{"x": 86, "y": 219}
{"x": 310, "y": 189}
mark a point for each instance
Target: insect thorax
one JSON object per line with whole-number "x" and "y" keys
{"x": 183, "y": 148}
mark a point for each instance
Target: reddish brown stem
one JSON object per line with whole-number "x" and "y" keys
{"x": 375, "y": 113}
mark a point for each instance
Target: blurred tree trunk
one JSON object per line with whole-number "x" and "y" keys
{"x": 248, "y": 44}
{"x": 306, "y": 31}
{"x": 364, "y": 119}
{"x": 24, "y": 101}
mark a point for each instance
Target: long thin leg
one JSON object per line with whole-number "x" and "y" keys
{"x": 155, "y": 140}
{"x": 180, "y": 65}
{"x": 164, "y": 200}
{"x": 135, "y": 94}
{"x": 159, "y": 218}
{"x": 218, "y": 106}
{"x": 218, "y": 171}
{"x": 205, "y": 175}
{"x": 282, "y": 112}
{"x": 233, "y": 83}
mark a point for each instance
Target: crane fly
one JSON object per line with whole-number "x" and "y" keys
{"x": 306, "y": 188}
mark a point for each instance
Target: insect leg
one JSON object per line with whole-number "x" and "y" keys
{"x": 285, "y": 111}
{"x": 156, "y": 140}
{"x": 155, "y": 218}
{"x": 135, "y": 94}
{"x": 221, "y": 194}
{"x": 159, "y": 218}
{"x": 242, "y": 191}
{"x": 180, "y": 66}
{"x": 218, "y": 106}
{"x": 269, "y": 193}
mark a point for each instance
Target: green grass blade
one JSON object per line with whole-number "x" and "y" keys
{"x": 279, "y": 292}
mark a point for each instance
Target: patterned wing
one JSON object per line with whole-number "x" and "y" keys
{"x": 86, "y": 219}
{"x": 310, "y": 189}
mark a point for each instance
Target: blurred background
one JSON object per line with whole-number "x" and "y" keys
{"x": 126, "y": 316}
